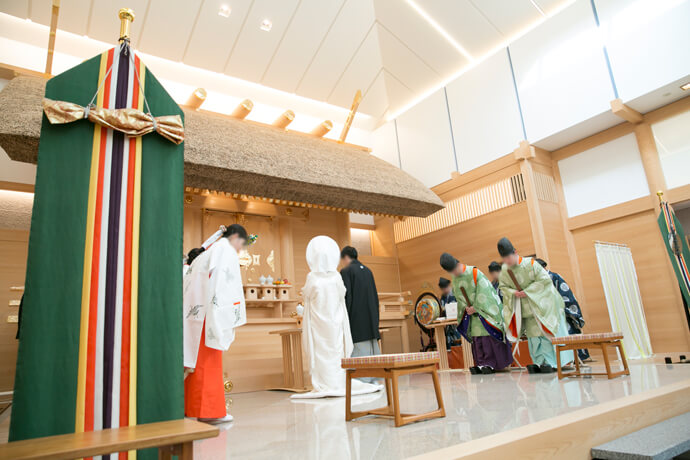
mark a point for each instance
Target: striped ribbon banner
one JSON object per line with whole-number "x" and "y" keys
{"x": 677, "y": 247}
{"x": 101, "y": 336}
{"x": 106, "y": 391}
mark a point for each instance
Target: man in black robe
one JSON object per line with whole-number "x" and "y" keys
{"x": 573, "y": 313}
{"x": 453, "y": 337}
{"x": 362, "y": 302}
{"x": 494, "y": 273}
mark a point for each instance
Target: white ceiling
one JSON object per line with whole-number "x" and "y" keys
{"x": 320, "y": 49}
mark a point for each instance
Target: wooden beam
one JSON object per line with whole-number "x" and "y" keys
{"x": 592, "y": 141}
{"x": 51, "y": 36}
{"x": 351, "y": 115}
{"x": 610, "y": 213}
{"x": 8, "y": 72}
{"x": 16, "y": 186}
{"x": 625, "y": 112}
{"x": 524, "y": 151}
{"x": 362, "y": 226}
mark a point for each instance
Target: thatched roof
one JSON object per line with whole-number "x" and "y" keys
{"x": 239, "y": 156}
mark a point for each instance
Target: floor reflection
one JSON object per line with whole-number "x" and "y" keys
{"x": 270, "y": 425}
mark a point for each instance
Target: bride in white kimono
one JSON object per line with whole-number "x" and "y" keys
{"x": 326, "y": 327}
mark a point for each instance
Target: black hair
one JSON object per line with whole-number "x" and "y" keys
{"x": 541, "y": 262}
{"x": 193, "y": 254}
{"x": 443, "y": 282}
{"x": 349, "y": 251}
{"x": 494, "y": 267}
{"x": 236, "y": 229}
{"x": 505, "y": 247}
{"x": 448, "y": 262}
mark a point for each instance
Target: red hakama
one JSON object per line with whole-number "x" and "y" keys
{"x": 204, "y": 392}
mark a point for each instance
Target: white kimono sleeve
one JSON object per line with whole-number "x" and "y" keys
{"x": 227, "y": 309}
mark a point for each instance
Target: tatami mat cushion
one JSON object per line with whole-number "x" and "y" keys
{"x": 575, "y": 338}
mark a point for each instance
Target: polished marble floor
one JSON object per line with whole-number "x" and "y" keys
{"x": 268, "y": 425}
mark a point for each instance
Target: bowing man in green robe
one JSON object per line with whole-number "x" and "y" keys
{"x": 532, "y": 308}
{"x": 479, "y": 316}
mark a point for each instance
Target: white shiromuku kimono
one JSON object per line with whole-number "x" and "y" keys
{"x": 212, "y": 292}
{"x": 326, "y": 327}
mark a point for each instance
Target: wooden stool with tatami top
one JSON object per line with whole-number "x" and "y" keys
{"x": 602, "y": 340}
{"x": 390, "y": 367}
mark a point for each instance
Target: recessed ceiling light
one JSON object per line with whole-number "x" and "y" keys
{"x": 266, "y": 25}
{"x": 224, "y": 11}
{"x": 685, "y": 87}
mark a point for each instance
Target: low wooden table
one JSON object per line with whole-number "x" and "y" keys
{"x": 293, "y": 368}
{"x": 601, "y": 340}
{"x": 174, "y": 437}
{"x": 439, "y": 328}
{"x": 390, "y": 367}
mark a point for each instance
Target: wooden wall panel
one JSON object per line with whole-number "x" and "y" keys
{"x": 559, "y": 260}
{"x": 385, "y": 270}
{"x": 192, "y": 234}
{"x": 473, "y": 242}
{"x": 665, "y": 318}
{"x": 14, "y": 245}
{"x": 383, "y": 238}
{"x": 319, "y": 223}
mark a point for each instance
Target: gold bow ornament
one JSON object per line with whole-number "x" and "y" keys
{"x": 132, "y": 122}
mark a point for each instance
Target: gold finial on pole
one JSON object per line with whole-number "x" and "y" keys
{"x": 660, "y": 194}
{"x": 126, "y": 16}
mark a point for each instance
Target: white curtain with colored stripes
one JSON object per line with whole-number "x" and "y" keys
{"x": 619, "y": 278}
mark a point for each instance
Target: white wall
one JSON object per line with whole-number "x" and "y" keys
{"x": 15, "y": 171}
{"x": 647, "y": 42}
{"x": 603, "y": 176}
{"x": 561, "y": 72}
{"x": 384, "y": 144}
{"x": 484, "y": 113}
{"x": 426, "y": 150}
{"x": 672, "y": 138}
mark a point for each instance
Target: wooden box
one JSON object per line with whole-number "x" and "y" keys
{"x": 251, "y": 292}
{"x": 283, "y": 293}
{"x": 268, "y": 293}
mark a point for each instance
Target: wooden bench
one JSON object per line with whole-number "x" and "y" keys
{"x": 603, "y": 340}
{"x": 174, "y": 437}
{"x": 390, "y": 367}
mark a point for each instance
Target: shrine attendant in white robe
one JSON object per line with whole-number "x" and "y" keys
{"x": 213, "y": 307}
{"x": 326, "y": 327}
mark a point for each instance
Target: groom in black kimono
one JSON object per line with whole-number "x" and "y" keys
{"x": 362, "y": 303}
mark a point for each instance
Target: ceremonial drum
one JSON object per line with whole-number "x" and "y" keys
{"x": 427, "y": 309}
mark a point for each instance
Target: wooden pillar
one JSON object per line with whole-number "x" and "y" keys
{"x": 657, "y": 182}
{"x": 524, "y": 154}
{"x": 287, "y": 257}
{"x": 650, "y": 159}
{"x": 343, "y": 225}
{"x": 51, "y": 37}
{"x": 569, "y": 240}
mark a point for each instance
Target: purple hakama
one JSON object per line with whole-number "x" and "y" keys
{"x": 488, "y": 351}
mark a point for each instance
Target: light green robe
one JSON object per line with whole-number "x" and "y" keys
{"x": 483, "y": 297}
{"x": 543, "y": 308}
